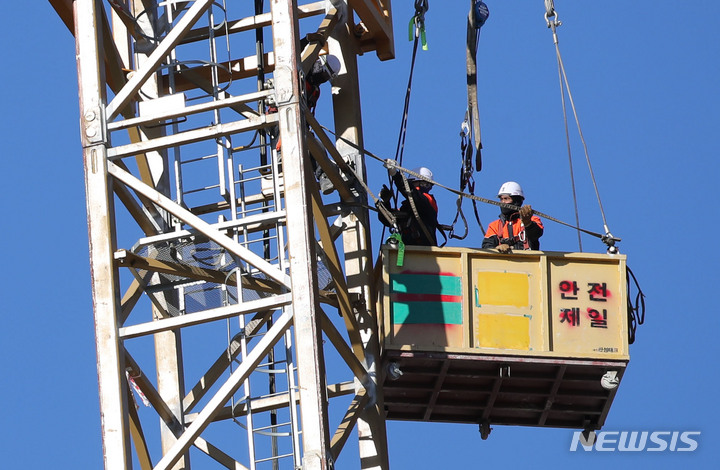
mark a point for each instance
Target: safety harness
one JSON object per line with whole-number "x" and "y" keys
{"x": 506, "y": 233}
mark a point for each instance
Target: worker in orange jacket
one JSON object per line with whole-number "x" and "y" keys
{"x": 517, "y": 228}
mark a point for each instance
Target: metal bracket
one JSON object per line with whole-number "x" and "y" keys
{"x": 93, "y": 126}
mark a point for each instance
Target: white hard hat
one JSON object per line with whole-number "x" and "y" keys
{"x": 511, "y": 188}
{"x": 332, "y": 64}
{"x": 422, "y": 171}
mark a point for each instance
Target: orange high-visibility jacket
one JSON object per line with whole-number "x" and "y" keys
{"x": 521, "y": 238}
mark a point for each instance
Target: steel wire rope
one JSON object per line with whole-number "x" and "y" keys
{"x": 400, "y": 148}
{"x": 418, "y": 20}
{"x": 490, "y": 201}
{"x": 379, "y": 207}
{"x": 551, "y": 18}
{"x": 550, "y": 13}
{"x": 569, "y": 152}
{"x": 606, "y": 238}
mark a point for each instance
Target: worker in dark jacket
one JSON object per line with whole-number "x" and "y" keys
{"x": 517, "y": 228}
{"x": 412, "y": 230}
{"x": 324, "y": 69}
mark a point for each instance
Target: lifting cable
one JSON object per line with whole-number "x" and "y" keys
{"x": 608, "y": 240}
{"x": 636, "y": 309}
{"x": 416, "y": 31}
{"x": 552, "y": 20}
{"x": 388, "y": 163}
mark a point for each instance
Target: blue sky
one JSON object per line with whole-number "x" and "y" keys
{"x": 644, "y": 77}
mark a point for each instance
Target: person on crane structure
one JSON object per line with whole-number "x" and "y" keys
{"x": 517, "y": 228}
{"x": 324, "y": 69}
{"x": 414, "y": 231}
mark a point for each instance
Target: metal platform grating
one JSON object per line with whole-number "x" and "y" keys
{"x": 504, "y": 390}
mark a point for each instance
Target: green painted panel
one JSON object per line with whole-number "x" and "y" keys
{"x": 449, "y": 313}
{"x": 426, "y": 284}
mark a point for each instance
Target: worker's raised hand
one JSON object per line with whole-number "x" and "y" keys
{"x": 385, "y": 194}
{"x": 526, "y": 214}
{"x": 390, "y": 165}
{"x": 503, "y": 248}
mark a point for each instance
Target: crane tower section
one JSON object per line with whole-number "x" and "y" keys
{"x": 227, "y": 230}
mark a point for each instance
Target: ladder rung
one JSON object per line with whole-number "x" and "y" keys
{"x": 277, "y": 457}
{"x": 271, "y": 371}
{"x": 271, "y": 426}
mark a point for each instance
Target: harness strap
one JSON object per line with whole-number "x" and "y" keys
{"x": 509, "y": 228}
{"x": 459, "y": 213}
{"x": 466, "y": 179}
{"x": 432, "y": 201}
{"x": 411, "y": 200}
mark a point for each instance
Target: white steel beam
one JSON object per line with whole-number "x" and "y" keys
{"x": 163, "y": 114}
{"x": 348, "y": 422}
{"x": 105, "y": 288}
{"x": 203, "y": 227}
{"x": 189, "y": 137}
{"x": 205, "y": 316}
{"x": 301, "y": 241}
{"x": 123, "y": 97}
{"x": 252, "y": 22}
{"x": 352, "y": 361}
{"x": 357, "y": 244}
{"x": 218, "y": 455}
{"x": 214, "y": 405}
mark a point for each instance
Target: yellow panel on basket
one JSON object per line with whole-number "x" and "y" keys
{"x": 500, "y": 288}
{"x": 503, "y": 331}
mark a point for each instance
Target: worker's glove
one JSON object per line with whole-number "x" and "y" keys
{"x": 385, "y": 194}
{"x": 503, "y": 248}
{"x": 390, "y": 165}
{"x": 526, "y": 215}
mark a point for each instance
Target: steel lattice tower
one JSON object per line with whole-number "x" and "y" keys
{"x": 217, "y": 263}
